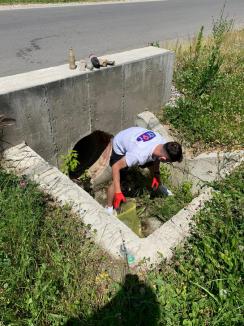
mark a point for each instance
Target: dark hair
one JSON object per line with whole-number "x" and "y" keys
{"x": 174, "y": 151}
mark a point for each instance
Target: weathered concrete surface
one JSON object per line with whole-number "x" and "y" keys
{"x": 56, "y": 107}
{"x": 110, "y": 232}
{"x": 206, "y": 168}
{"x": 199, "y": 170}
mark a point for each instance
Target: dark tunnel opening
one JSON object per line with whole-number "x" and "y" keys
{"x": 89, "y": 150}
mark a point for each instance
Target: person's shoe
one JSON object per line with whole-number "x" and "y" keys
{"x": 110, "y": 210}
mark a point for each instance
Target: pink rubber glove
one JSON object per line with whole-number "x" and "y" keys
{"x": 155, "y": 184}
{"x": 118, "y": 198}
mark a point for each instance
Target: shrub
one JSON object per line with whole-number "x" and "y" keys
{"x": 69, "y": 162}
{"x": 209, "y": 75}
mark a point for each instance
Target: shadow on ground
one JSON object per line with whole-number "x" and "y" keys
{"x": 134, "y": 305}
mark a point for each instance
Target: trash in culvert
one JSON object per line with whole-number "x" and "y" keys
{"x": 127, "y": 214}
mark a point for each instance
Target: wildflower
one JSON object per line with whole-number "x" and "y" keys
{"x": 22, "y": 183}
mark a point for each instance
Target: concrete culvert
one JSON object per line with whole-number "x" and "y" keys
{"x": 152, "y": 209}
{"x": 90, "y": 149}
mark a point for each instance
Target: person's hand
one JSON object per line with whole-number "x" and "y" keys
{"x": 155, "y": 184}
{"x": 118, "y": 198}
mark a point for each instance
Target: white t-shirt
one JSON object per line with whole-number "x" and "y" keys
{"x": 137, "y": 145}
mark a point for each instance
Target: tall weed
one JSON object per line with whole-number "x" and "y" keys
{"x": 199, "y": 71}
{"x": 209, "y": 73}
{"x": 203, "y": 285}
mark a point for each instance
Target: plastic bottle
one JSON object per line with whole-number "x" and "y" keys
{"x": 72, "y": 64}
{"x": 128, "y": 256}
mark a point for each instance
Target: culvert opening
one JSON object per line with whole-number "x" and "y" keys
{"x": 89, "y": 149}
{"x": 145, "y": 210}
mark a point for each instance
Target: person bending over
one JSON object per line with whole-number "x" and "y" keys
{"x": 138, "y": 146}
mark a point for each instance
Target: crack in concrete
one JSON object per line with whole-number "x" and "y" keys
{"x": 51, "y": 119}
{"x": 123, "y": 101}
{"x": 89, "y": 103}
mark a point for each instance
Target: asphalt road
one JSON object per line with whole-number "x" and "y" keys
{"x": 37, "y": 38}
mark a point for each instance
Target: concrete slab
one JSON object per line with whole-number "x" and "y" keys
{"x": 48, "y": 75}
{"x": 145, "y": 85}
{"x": 148, "y": 120}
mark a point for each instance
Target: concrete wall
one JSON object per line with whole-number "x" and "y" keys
{"x": 54, "y": 108}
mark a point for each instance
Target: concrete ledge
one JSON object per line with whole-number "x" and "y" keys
{"x": 45, "y": 76}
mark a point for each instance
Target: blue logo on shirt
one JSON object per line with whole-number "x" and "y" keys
{"x": 146, "y": 136}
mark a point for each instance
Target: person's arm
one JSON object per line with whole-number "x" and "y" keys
{"x": 155, "y": 174}
{"x": 154, "y": 169}
{"x": 116, "y": 173}
{"x": 118, "y": 195}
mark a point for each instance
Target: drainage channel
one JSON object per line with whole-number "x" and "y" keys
{"x": 145, "y": 210}
{"x": 111, "y": 233}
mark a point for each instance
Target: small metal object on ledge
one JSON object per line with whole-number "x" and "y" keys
{"x": 72, "y": 64}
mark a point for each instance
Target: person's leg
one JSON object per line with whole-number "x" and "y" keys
{"x": 150, "y": 167}
{"x": 110, "y": 195}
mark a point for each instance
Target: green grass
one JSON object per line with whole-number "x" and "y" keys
{"x": 204, "y": 284}
{"x": 49, "y": 269}
{"x": 51, "y": 274}
{"x": 209, "y": 73}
